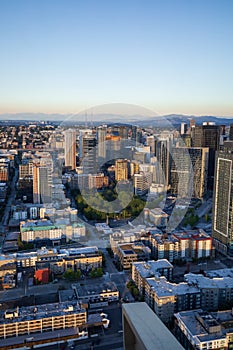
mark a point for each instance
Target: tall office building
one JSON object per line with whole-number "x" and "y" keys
{"x": 82, "y": 134}
{"x": 187, "y": 162}
{"x": 207, "y": 135}
{"x": 163, "y": 154}
{"x": 222, "y": 229}
{"x": 25, "y": 182}
{"x": 70, "y": 149}
{"x": 101, "y": 137}
{"x": 133, "y": 132}
{"x": 89, "y": 154}
{"x": 121, "y": 169}
{"x": 150, "y": 141}
{"x": 42, "y": 190}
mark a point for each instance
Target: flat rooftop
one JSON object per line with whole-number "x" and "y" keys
{"x": 189, "y": 319}
{"x": 206, "y": 282}
{"x": 151, "y": 267}
{"x": 148, "y": 329}
{"x": 92, "y": 290}
{"x": 163, "y": 288}
{"x": 28, "y": 313}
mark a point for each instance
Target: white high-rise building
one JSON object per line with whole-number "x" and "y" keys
{"x": 70, "y": 148}
{"x": 42, "y": 185}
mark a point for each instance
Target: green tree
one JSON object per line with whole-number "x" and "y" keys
{"x": 71, "y": 275}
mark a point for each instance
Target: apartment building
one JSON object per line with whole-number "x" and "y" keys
{"x": 181, "y": 245}
{"x": 81, "y": 258}
{"x": 121, "y": 170}
{"x": 97, "y": 181}
{"x": 45, "y": 229}
{"x": 4, "y": 169}
{"x": 215, "y": 292}
{"x": 129, "y": 253}
{"x": 201, "y": 330}
{"x": 166, "y": 298}
{"x": 41, "y": 318}
{"x": 58, "y": 261}
{"x": 129, "y": 236}
{"x": 142, "y": 270}
{"x": 142, "y": 183}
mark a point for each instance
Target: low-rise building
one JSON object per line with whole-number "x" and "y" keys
{"x": 44, "y": 229}
{"x": 7, "y": 265}
{"x": 121, "y": 237}
{"x": 99, "y": 292}
{"x": 8, "y": 281}
{"x": 42, "y": 318}
{"x": 156, "y": 216}
{"x": 201, "y": 330}
{"x": 129, "y": 253}
{"x": 57, "y": 260}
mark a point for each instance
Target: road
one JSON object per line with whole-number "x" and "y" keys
{"x": 44, "y": 289}
{"x": 10, "y": 200}
{"x": 107, "y": 341}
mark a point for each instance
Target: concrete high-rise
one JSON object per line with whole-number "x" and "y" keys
{"x": 143, "y": 330}
{"x": 222, "y": 229}
{"x": 41, "y": 184}
{"x": 70, "y": 149}
{"x": 101, "y": 137}
{"x": 183, "y": 128}
{"x": 189, "y": 164}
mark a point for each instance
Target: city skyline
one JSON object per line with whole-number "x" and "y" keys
{"x": 171, "y": 57}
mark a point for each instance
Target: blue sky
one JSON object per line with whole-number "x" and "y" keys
{"x": 172, "y": 56}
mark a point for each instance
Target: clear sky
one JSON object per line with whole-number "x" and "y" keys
{"x": 173, "y": 56}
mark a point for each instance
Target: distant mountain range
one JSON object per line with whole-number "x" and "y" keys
{"x": 140, "y": 120}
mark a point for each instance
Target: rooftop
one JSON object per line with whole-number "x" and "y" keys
{"x": 151, "y": 267}
{"x": 95, "y": 289}
{"x": 191, "y": 320}
{"x": 206, "y": 282}
{"x": 148, "y": 329}
{"x": 164, "y": 288}
{"x": 28, "y": 313}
